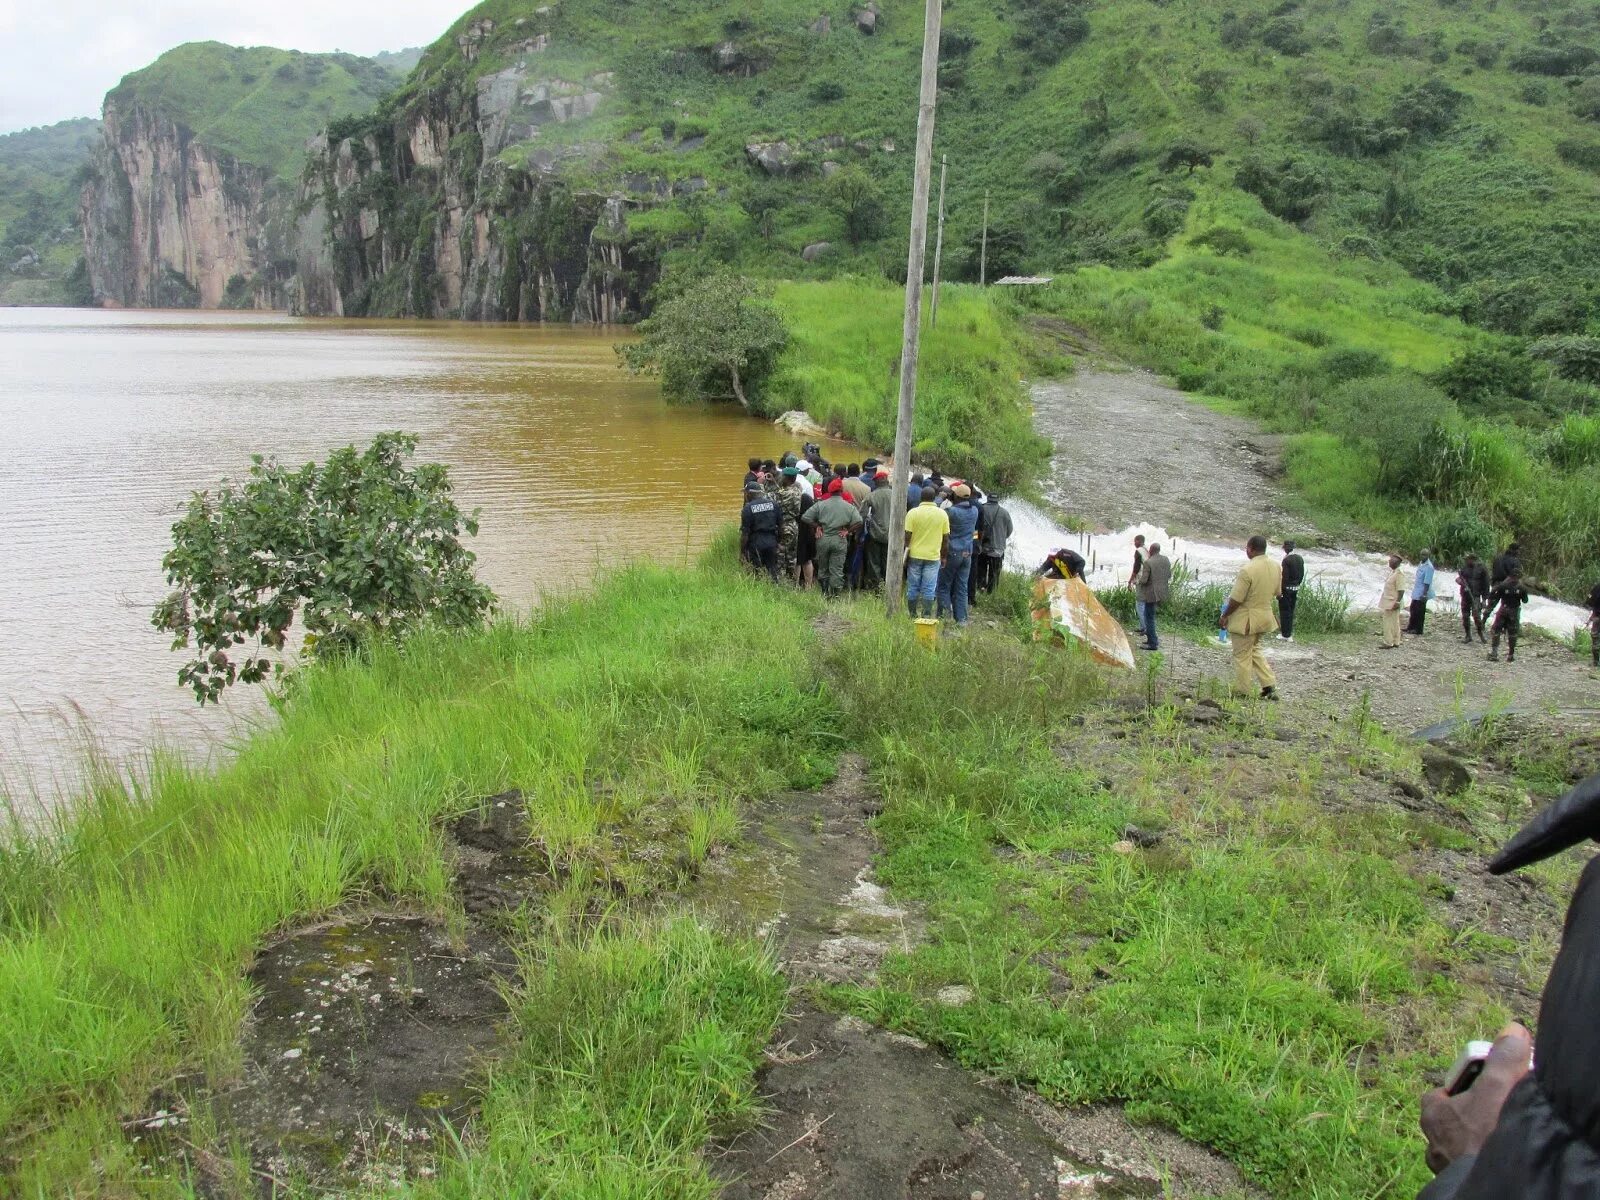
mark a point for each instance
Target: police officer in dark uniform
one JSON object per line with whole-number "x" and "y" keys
{"x": 760, "y": 526}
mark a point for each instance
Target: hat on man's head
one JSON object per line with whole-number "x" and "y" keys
{"x": 835, "y": 486}
{"x": 882, "y": 474}
{"x": 961, "y": 491}
{"x": 790, "y": 472}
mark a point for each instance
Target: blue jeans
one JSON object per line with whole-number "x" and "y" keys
{"x": 922, "y": 580}
{"x": 1147, "y": 612}
{"x": 953, "y": 584}
{"x": 1138, "y": 615}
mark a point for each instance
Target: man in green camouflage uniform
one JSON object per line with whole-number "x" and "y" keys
{"x": 789, "y": 498}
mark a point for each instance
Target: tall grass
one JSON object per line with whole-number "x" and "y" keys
{"x": 631, "y": 1047}
{"x": 125, "y": 936}
{"x": 1265, "y": 980}
{"x": 973, "y": 416}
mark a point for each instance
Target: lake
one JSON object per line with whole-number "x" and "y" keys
{"x": 111, "y": 420}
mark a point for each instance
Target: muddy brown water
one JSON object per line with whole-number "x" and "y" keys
{"x": 111, "y": 419}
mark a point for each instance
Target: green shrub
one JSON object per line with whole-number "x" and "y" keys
{"x": 1401, "y": 421}
{"x": 1483, "y": 373}
{"x": 1341, "y": 364}
{"x": 1575, "y": 443}
{"x": 1289, "y": 187}
{"x": 1461, "y": 531}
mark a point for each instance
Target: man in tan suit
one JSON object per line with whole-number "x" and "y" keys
{"x": 1248, "y": 617}
{"x": 1394, "y": 591}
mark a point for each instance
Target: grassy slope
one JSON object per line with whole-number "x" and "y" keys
{"x": 258, "y": 104}
{"x": 123, "y": 942}
{"x": 39, "y": 171}
{"x": 972, "y": 411}
{"x": 1225, "y": 985}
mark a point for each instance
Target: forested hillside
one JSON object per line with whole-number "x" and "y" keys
{"x": 1373, "y": 220}
{"x": 41, "y": 171}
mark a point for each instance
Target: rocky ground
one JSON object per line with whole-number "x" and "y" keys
{"x": 1130, "y": 449}
{"x": 1428, "y": 680}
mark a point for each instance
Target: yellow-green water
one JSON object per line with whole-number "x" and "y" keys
{"x": 111, "y": 419}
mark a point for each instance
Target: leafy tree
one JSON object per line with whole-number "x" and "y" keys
{"x": 718, "y": 337}
{"x": 1186, "y": 153}
{"x": 1289, "y": 188}
{"x": 856, "y": 197}
{"x": 363, "y": 545}
{"x": 1574, "y": 357}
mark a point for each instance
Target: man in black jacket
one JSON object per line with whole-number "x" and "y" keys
{"x": 1594, "y": 625}
{"x": 1524, "y": 1132}
{"x": 1472, "y": 582}
{"x": 1505, "y": 563}
{"x": 1294, "y": 574}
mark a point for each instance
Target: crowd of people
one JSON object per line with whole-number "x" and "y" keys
{"x": 809, "y": 522}
{"x": 1491, "y": 596}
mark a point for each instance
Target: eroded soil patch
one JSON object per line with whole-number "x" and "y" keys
{"x": 859, "y": 1112}
{"x": 366, "y": 1035}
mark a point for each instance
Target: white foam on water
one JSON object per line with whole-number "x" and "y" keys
{"x": 1110, "y": 559}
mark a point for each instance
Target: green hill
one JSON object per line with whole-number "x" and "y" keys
{"x": 257, "y": 104}
{"x": 1288, "y": 207}
{"x": 40, "y": 173}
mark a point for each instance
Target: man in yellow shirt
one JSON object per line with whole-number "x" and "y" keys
{"x": 1248, "y": 617}
{"x": 927, "y": 542}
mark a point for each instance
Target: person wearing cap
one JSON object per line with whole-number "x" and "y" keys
{"x": 875, "y": 514}
{"x": 760, "y": 524}
{"x": 1528, "y": 1128}
{"x": 1294, "y": 576}
{"x": 963, "y": 518}
{"x": 927, "y": 545}
{"x": 790, "y": 504}
{"x": 1509, "y": 595}
{"x": 770, "y": 480}
{"x": 834, "y": 520}
{"x": 1421, "y": 593}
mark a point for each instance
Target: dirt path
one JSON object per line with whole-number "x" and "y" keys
{"x": 1130, "y": 449}
{"x": 855, "y": 1111}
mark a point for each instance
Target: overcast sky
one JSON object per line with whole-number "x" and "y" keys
{"x": 58, "y": 58}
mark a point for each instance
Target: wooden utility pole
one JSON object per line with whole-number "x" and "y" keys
{"x": 916, "y": 262}
{"x": 983, "y": 259}
{"x": 938, "y": 242}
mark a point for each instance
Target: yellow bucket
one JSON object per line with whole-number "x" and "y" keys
{"x": 927, "y": 631}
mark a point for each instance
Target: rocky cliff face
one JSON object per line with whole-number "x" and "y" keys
{"x": 171, "y": 223}
{"x": 414, "y": 212}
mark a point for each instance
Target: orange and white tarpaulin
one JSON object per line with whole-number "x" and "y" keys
{"x": 1066, "y": 608}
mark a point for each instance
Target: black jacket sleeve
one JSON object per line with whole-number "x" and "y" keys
{"x": 1449, "y": 1180}
{"x": 1546, "y": 1145}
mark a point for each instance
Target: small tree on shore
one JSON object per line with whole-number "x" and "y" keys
{"x": 361, "y": 546}
{"x": 719, "y": 337}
